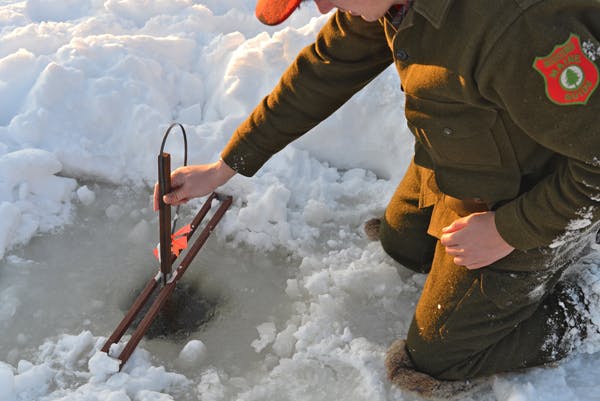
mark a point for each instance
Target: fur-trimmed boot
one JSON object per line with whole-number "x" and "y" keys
{"x": 371, "y": 228}
{"x": 402, "y": 373}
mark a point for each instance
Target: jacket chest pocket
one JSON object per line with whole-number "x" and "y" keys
{"x": 454, "y": 133}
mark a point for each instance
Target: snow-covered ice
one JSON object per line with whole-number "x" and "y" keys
{"x": 87, "y": 89}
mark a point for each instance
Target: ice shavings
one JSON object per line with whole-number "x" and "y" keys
{"x": 266, "y": 332}
{"x": 324, "y": 202}
{"x": 101, "y": 366}
{"x": 579, "y": 224}
{"x": 210, "y": 387}
{"x": 75, "y": 360}
{"x": 284, "y": 343}
{"x": 332, "y": 342}
{"x": 341, "y": 370}
{"x": 587, "y": 273}
{"x": 575, "y": 228}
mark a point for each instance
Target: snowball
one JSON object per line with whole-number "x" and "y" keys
{"x": 193, "y": 353}
{"x": 85, "y": 195}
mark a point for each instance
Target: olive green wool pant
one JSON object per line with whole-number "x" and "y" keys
{"x": 468, "y": 323}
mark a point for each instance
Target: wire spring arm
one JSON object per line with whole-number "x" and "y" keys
{"x": 162, "y": 175}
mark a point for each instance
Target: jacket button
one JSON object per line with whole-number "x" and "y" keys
{"x": 447, "y": 131}
{"x": 401, "y": 55}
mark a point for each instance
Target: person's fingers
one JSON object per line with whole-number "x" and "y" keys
{"x": 459, "y": 261}
{"x": 469, "y": 261}
{"x": 174, "y": 197}
{"x": 455, "y": 226}
{"x": 449, "y": 240}
{"x": 455, "y": 251}
{"x": 177, "y": 178}
{"x": 180, "y": 202}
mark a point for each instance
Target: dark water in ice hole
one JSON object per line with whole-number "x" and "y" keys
{"x": 85, "y": 276}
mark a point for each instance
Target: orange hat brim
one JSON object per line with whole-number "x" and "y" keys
{"x": 274, "y": 12}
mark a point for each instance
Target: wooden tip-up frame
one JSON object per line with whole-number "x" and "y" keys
{"x": 167, "y": 258}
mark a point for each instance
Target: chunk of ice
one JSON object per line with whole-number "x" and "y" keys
{"x": 193, "y": 353}
{"x": 86, "y": 195}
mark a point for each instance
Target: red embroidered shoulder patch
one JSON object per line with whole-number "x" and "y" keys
{"x": 571, "y": 77}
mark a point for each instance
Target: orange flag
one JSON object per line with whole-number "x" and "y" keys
{"x": 179, "y": 241}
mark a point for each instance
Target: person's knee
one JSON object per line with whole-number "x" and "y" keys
{"x": 413, "y": 250}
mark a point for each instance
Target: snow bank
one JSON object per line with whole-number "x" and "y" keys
{"x": 32, "y": 197}
{"x": 96, "y": 83}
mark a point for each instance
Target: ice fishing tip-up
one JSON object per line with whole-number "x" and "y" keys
{"x": 170, "y": 246}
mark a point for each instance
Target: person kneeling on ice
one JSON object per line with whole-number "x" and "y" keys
{"x": 502, "y": 99}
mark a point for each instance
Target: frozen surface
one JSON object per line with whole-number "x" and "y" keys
{"x": 81, "y": 279}
{"x": 309, "y": 306}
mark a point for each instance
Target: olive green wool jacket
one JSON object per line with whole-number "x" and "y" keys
{"x": 501, "y": 96}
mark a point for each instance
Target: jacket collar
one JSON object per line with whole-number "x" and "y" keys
{"x": 434, "y": 11}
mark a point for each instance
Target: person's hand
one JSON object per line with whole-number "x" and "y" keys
{"x": 474, "y": 241}
{"x": 194, "y": 181}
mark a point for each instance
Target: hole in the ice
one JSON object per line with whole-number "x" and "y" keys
{"x": 188, "y": 309}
